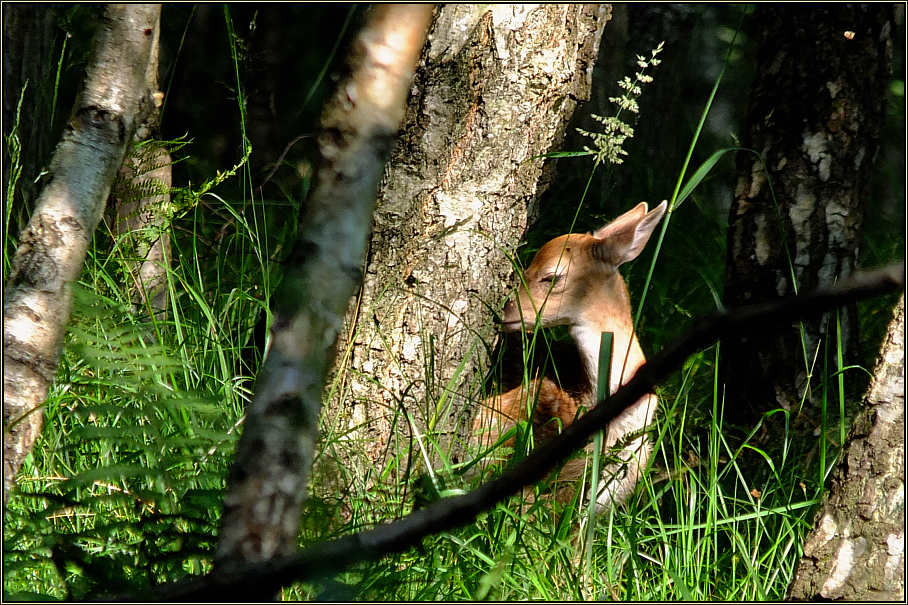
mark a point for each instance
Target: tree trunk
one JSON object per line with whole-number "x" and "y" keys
{"x": 140, "y": 210}
{"x": 816, "y": 110}
{"x": 38, "y": 297}
{"x": 496, "y": 87}
{"x": 268, "y": 481}
{"x": 856, "y": 551}
{"x": 139, "y": 213}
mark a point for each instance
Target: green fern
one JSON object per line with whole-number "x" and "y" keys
{"x": 146, "y": 511}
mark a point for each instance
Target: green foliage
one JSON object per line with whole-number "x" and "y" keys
{"x": 123, "y": 488}
{"x": 711, "y": 520}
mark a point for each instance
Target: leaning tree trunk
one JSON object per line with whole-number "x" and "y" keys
{"x": 38, "y": 296}
{"x": 817, "y": 106}
{"x": 856, "y": 551}
{"x": 496, "y": 87}
{"x": 268, "y": 481}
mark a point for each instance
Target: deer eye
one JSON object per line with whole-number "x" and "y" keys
{"x": 551, "y": 278}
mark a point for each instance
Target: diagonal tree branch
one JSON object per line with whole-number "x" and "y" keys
{"x": 268, "y": 480}
{"x": 331, "y": 557}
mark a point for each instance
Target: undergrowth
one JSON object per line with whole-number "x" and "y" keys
{"x": 124, "y": 487}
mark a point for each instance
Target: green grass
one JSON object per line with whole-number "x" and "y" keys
{"x": 123, "y": 489}
{"x": 129, "y": 467}
{"x": 703, "y": 525}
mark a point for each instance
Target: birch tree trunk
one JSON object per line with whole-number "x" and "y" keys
{"x": 139, "y": 210}
{"x": 856, "y": 551}
{"x": 268, "y": 480}
{"x": 817, "y": 106}
{"x": 38, "y": 298}
{"x": 495, "y": 88}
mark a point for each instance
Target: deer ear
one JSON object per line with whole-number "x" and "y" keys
{"x": 623, "y": 239}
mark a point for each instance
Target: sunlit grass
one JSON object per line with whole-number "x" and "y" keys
{"x": 700, "y": 526}
{"x": 124, "y": 487}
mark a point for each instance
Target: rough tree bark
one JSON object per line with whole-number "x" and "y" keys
{"x": 496, "y": 87}
{"x": 856, "y": 551}
{"x": 268, "y": 480}
{"x": 817, "y": 106}
{"x": 38, "y": 298}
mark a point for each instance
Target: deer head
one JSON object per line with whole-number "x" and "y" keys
{"x": 574, "y": 281}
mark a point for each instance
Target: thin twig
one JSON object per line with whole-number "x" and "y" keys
{"x": 280, "y": 160}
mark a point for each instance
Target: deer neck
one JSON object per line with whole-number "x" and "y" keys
{"x": 627, "y": 356}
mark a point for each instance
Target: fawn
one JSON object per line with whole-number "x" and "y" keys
{"x": 574, "y": 281}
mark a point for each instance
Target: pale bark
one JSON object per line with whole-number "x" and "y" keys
{"x": 496, "y": 87}
{"x": 268, "y": 480}
{"x": 37, "y": 298}
{"x": 796, "y": 220}
{"x": 856, "y": 551}
{"x": 140, "y": 208}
